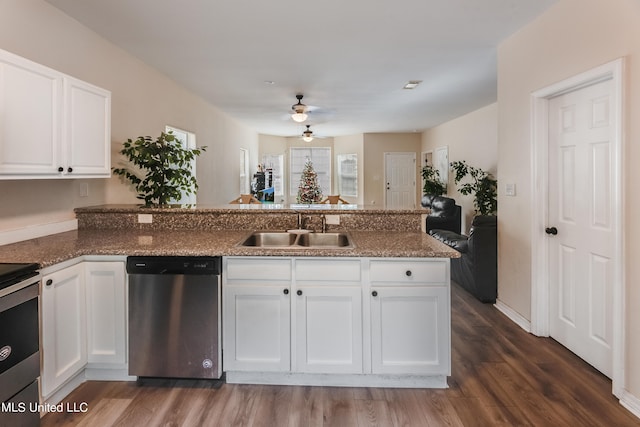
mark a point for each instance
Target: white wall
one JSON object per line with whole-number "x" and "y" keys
{"x": 143, "y": 102}
{"x": 473, "y": 138}
{"x": 571, "y": 37}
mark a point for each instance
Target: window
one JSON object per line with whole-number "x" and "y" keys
{"x": 275, "y": 163}
{"x": 348, "y": 174}
{"x": 244, "y": 171}
{"x": 188, "y": 140}
{"x": 321, "y": 159}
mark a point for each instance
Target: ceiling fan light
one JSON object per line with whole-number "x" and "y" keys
{"x": 299, "y": 117}
{"x": 307, "y": 134}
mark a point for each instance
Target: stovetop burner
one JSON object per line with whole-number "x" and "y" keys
{"x": 11, "y": 273}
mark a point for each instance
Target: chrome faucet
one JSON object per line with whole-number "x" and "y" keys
{"x": 324, "y": 223}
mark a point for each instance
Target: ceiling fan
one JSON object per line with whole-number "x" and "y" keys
{"x": 307, "y": 135}
{"x": 301, "y": 112}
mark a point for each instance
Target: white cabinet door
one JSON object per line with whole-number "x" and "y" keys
{"x": 30, "y": 117}
{"x": 328, "y": 329}
{"x": 87, "y": 130}
{"x": 64, "y": 347}
{"x": 51, "y": 124}
{"x": 106, "y": 312}
{"x": 410, "y": 330}
{"x": 256, "y": 328}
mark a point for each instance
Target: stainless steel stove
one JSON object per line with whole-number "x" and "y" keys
{"x": 19, "y": 345}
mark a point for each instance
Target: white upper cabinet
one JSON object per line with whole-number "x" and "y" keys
{"x": 30, "y": 117}
{"x": 87, "y": 131}
{"x": 51, "y": 125}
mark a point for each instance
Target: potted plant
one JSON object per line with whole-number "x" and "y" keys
{"x": 433, "y": 186}
{"x": 483, "y": 186}
{"x": 165, "y": 165}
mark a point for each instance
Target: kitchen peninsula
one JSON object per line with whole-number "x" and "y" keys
{"x": 376, "y": 313}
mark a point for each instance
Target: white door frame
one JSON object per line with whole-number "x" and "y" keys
{"x": 540, "y": 290}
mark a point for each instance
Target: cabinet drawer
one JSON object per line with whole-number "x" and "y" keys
{"x": 258, "y": 269}
{"x": 323, "y": 270}
{"x": 406, "y": 272}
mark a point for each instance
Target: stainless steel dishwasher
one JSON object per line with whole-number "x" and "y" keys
{"x": 174, "y": 317}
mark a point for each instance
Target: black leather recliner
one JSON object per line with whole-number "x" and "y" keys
{"x": 477, "y": 268}
{"x": 445, "y": 214}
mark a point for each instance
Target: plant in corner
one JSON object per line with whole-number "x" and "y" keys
{"x": 166, "y": 167}
{"x": 483, "y": 186}
{"x": 433, "y": 186}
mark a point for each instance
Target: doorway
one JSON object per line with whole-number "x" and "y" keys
{"x": 577, "y": 288}
{"x": 400, "y": 180}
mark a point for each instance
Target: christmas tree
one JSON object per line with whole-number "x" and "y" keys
{"x": 308, "y": 190}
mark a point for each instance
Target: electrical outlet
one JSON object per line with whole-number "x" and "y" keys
{"x": 145, "y": 218}
{"x": 84, "y": 189}
{"x": 333, "y": 219}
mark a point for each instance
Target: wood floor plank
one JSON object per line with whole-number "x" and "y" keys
{"x": 372, "y": 413}
{"x": 105, "y": 413}
{"x": 501, "y": 376}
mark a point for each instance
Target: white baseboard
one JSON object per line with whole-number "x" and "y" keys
{"x": 35, "y": 231}
{"x": 631, "y": 402}
{"x": 337, "y": 380}
{"x": 513, "y": 315}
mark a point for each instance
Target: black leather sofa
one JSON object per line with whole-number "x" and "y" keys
{"x": 445, "y": 214}
{"x": 477, "y": 268}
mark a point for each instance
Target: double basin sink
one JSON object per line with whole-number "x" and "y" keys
{"x": 298, "y": 240}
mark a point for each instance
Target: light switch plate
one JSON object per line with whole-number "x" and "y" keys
{"x": 509, "y": 189}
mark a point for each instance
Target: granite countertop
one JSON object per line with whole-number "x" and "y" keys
{"x": 50, "y": 250}
{"x": 256, "y": 208}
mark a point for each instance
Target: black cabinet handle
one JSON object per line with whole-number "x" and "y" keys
{"x": 49, "y": 282}
{"x": 408, "y": 273}
{"x": 551, "y": 230}
{"x": 70, "y": 170}
{"x": 60, "y": 169}
{"x": 374, "y": 293}
{"x": 299, "y": 292}
{"x": 286, "y": 291}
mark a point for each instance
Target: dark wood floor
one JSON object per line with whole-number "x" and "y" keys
{"x": 502, "y": 376}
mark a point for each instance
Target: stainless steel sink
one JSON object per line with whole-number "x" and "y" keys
{"x": 324, "y": 240}
{"x": 269, "y": 239}
{"x": 284, "y": 239}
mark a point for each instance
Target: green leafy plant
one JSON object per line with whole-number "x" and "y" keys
{"x": 165, "y": 164}
{"x": 483, "y": 186}
{"x": 432, "y": 183}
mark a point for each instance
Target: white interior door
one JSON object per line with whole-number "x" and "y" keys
{"x": 581, "y": 212}
{"x": 400, "y": 175}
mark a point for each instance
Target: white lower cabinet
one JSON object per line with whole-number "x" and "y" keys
{"x": 64, "y": 333}
{"x": 362, "y": 318}
{"x": 83, "y": 320}
{"x": 256, "y": 328}
{"x": 328, "y": 329}
{"x": 409, "y": 330}
{"x": 410, "y": 316}
{"x": 106, "y": 315}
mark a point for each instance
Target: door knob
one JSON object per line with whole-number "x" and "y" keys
{"x": 551, "y": 230}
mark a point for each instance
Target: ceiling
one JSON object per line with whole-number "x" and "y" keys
{"x": 350, "y": 58}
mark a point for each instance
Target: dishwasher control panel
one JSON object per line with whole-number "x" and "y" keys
{"x": 202, "y": 265}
